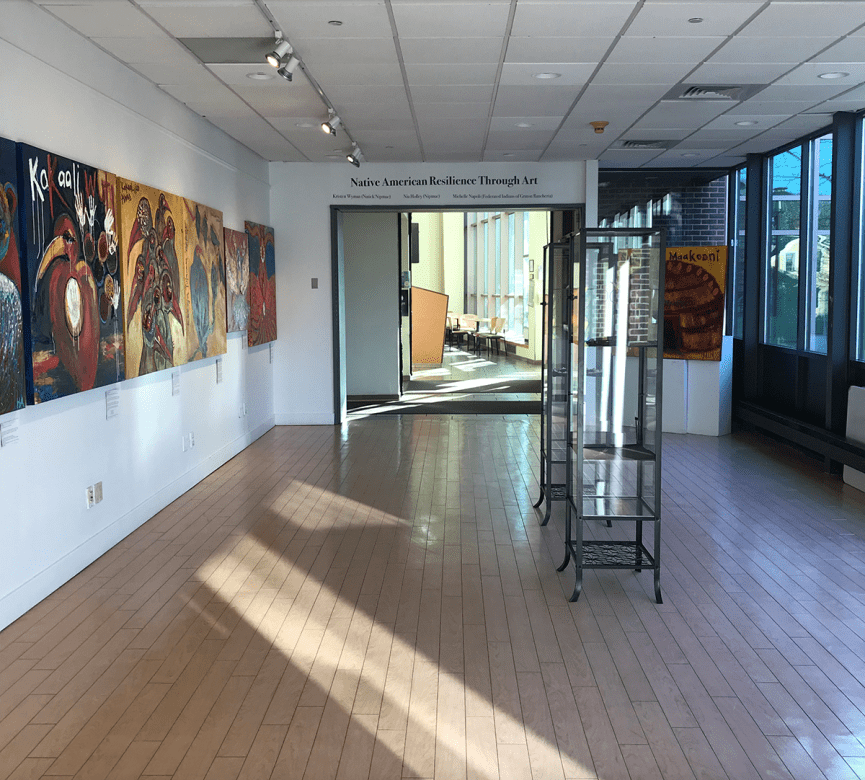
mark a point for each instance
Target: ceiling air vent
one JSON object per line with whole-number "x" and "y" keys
{"x": 713, "y": 92}
{"x": 635, "y": 144}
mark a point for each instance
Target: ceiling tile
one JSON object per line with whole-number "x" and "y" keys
{"x": 846, "y": 50}
{"x": 658, "y": 134}
{"x": 512, "y": 155}
{"x": 452, "y": 74}
{"x": 731, "y": 73}
{"x": 259, "y": 136}
{"x": 354, "y": 74}
{"x": 432, "y": 50}
{"x": 703, "y": 140}
{"x": 799, "y": 19}
{"x": 774, "y": 49}
{"x": 672, "y": 113}
{"x": 106, "y": 20}
{"x": 623, "y": 158}
{"x": 367, "y": 95}
{"x": 448, "y": 94}
{"x": 282, "y": 100}
{"x": 161, "y": 49}
{"x": 557, "y": 49}
{"x": 587, "y": 19}
{"x": 646, "y": 73}
{"x": 757, "y": 107}
{"x": 790, "y": 92}
{"x": 727, "y": 122}
{"x": 534, "y": 101}
{"x": 191, "y": 74}
{"x": 570, "y": 74}
{"x": 719, "y": 18}
{"x": 519, "y": 140}
{"x": 453, "y": 110}
{"x": 185, "y": 19}
{"x": 450, "y": 155}
{"x": 809, "y": 74}
{"x": 659, "y": 49}
{"x": 360, "y": 51}
{"x": 360, "y": 19}
{"x": 467, "y": 19}
{"x": 505, "y": 123}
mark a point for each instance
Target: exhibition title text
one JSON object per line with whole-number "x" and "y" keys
{"x": 447, "y": 181}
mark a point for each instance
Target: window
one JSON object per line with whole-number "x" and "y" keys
{"x": 799, "y": 244}
{"x": 819, "y": 243}
{"x": 739, "y": 183}
{"x": 497, "y": 256}
{"x": 782, "y": 271}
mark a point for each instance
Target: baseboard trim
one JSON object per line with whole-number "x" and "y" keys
{"x": 27, "y": 595}
{"x": 310, "y": 418}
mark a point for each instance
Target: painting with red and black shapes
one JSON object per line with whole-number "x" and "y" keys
{"x": 12, "y": 356}
{"x": 71, "y": 274}
{"x": 261, "y": 292}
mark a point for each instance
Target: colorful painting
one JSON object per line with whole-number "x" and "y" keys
{"x": 152, "y": 249}
{"x": 262, "y": 285}
{"x": 12, "y": 362}
{"x": 694, "y": 302}
{"x": 71, "y": 272}
{"x": 237, "y": 280}
{"x": 205, "y": 299}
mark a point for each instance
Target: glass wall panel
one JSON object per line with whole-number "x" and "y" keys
{"x": 817, "y": 305}
{"x": 740, "y": 182}
{"x": 781, "y": 314}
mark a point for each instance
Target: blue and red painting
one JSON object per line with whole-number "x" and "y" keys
{"x": 71, "y": 274}
{"x": 12, "y": 361}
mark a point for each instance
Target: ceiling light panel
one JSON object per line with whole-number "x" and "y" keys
{"x": 641, "y": 49}
{"x": 671, "y": 19}
{"x": 105, "y": 19}
{"x": 560, "y": 50}
{"x": 570, "y": 74}
{"x": 465, "y": 19}
{"x": 360, "y": 19}
{"x": 801, "y": 20}
{"x": 208, "y": 20}
{"x": 588, "y": 19}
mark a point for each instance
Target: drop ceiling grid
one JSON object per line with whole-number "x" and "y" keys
{"x": 442, "y": 69}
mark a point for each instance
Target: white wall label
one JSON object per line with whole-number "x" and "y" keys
{"x": 218, "y": 371}
{"x": 175, "y": 383}
{"x": 112, "y": 403}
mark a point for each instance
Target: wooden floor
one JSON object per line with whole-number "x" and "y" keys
{"x": 379, "y": 601}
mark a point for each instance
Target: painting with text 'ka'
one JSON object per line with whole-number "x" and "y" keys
{"x": 261, "y": 293}
{"x": 12, "y": 363}
{"x": 70, "y": 274}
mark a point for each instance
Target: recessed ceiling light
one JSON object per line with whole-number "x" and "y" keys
{"x": 695, "y": 20}
{"x": 746, "y": 123}
{"x": 838, "y": 74}
{"x": 335, "y": 23}
{"x": 547, "y": 75}
{"x": 259, "y": 76}
{"x": 524, "y": 124}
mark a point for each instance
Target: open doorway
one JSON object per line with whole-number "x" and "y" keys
{"x": 482, "y": 272}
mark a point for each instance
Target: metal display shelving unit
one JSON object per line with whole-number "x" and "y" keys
{"x": 556, "y": 376}
{"x": 614, "y": 474}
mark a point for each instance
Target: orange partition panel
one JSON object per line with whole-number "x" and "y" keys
{"x": 428, "y": 314}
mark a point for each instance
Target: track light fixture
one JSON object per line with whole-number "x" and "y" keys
{"x": 282, "y": 48}
{"x": 354, "y": 156}
{"x": 330, "y": 126}
{"x": 286, "y": 70}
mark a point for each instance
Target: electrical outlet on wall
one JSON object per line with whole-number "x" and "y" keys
{"x": 97, "y": 493}
{"x": 191, "y": 440}
{"x": 89, "y": 496}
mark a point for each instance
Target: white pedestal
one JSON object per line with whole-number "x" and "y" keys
{"x": 698, "y": 394}
{"x": 855, "y": 432}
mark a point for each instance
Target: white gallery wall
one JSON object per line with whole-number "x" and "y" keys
{"x": 62, "y": 94}
{"x": 301, "y": 198}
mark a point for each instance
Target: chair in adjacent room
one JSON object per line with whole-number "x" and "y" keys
{"x": 467, "y": 326}
{"x": 496, "y": 334}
